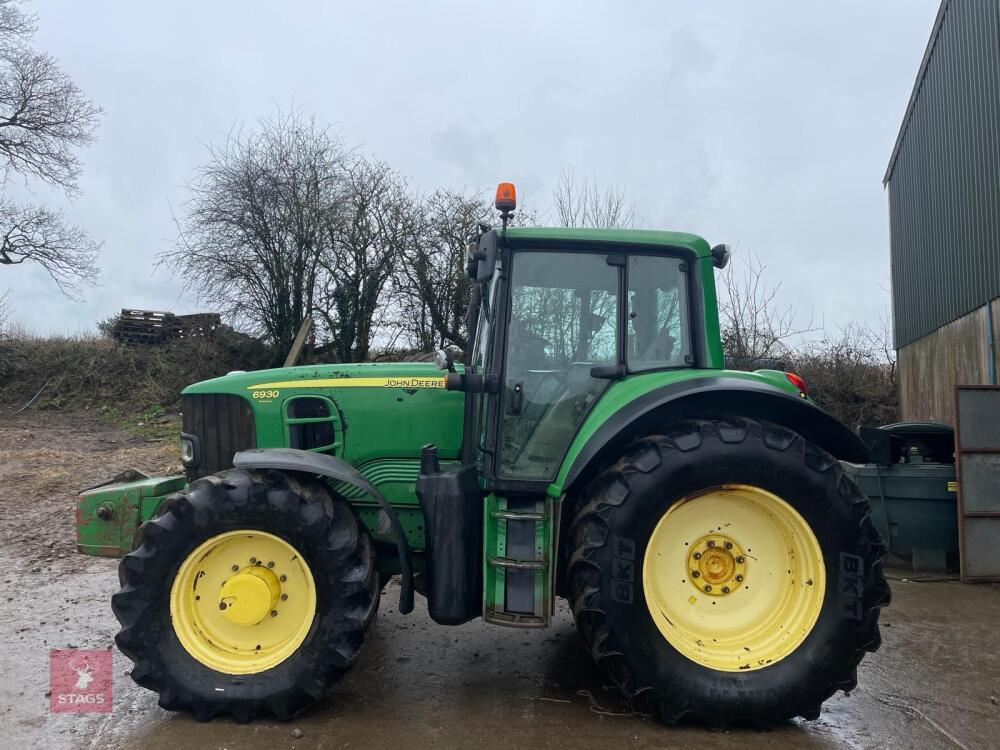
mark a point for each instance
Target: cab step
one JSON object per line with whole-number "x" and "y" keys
{"x": 518, "y": 575}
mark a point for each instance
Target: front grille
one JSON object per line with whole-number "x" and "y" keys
{"x": 304, "y": 432}
{"x": 307, "y": 407}
{"x": 223, "y": 426}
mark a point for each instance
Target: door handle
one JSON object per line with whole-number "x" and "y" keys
{"x": 517, "y": 398}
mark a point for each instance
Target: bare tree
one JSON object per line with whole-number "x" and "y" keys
{"x": 379, "y": 220}
{"x": 44, "y": 120}
{"x": 255, "y": 233}
{"x": 587, "y": 205}
{"x": 15, "y": 26}
{"x": 432, "y": 286}
{"x": 433, "y": 283}
{"x": 40, "y": 235}
{"x": 753, "y": 327}
{"x": 852, "y": 375}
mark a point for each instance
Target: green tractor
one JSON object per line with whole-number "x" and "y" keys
{"x": 720, "y": 565}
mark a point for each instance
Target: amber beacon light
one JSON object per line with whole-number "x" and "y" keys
{"x": 506, "y": 199}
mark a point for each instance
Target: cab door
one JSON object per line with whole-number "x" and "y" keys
{"x": 563, "y": 323}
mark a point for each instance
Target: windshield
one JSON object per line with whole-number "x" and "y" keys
{"x": 563, "y": 322}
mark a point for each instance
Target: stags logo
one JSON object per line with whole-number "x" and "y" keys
{"x": 80, "y": 681}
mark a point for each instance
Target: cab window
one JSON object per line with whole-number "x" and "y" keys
{"x": 659, "y": 334}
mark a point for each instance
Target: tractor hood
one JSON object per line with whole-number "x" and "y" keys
{"x": 404, "y": 375}
{"x": 364, "y": 413}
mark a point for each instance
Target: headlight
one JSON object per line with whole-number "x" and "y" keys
{"x": 187, "y": 451}
{"x": 443, "y": 360}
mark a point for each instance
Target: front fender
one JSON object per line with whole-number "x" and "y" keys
{"x": 706, "y": 398}
{"x": 321, "y": 464}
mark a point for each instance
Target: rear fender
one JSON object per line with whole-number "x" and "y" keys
{"x": 708, "y": 398}
{"x": 321, "y": 464}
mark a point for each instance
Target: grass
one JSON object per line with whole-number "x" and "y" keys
{"x": 150, "y": 423}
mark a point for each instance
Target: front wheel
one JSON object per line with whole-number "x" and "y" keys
{"x": 727, "y": 571}
{"x": 249, "y": 594}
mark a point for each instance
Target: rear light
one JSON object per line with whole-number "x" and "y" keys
{"x": 797, "y": 382}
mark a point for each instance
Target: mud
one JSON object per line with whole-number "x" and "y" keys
{"x": 935, "y": 682}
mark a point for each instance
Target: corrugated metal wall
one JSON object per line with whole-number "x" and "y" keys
{"x": 944, "y": 179}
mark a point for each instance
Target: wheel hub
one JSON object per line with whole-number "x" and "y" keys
{"x": 248, "y": 597}
{"x": 717, "y": 565}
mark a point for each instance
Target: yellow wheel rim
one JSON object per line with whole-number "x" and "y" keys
{"x": 734, "y": 578}
{"x": 242, "y": 602}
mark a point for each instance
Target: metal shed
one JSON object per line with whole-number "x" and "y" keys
{"x": 943, "y": 181}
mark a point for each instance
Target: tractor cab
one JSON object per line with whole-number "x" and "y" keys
{"x": 558, "y": 316}
{"x": 560, "y": 322}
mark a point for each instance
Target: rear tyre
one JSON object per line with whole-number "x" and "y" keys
{"x": 727, "y": 572}
{"x": 250, "y": 594}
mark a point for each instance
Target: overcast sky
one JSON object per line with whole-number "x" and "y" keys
{"x": 764, "y": 125}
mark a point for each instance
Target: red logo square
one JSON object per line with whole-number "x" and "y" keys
{"x": 79, "y": 681}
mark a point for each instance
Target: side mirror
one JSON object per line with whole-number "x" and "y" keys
{"x": 483, "y": 257}
{"x": 721, "y": 256}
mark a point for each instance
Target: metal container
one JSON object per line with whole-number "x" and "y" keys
{"x": 913, "y": 493}
{"x": 913, "y": 508}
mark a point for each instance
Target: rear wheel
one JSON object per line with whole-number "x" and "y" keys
{"x": 728, "y": 572}
{"x": 249, "y": 594}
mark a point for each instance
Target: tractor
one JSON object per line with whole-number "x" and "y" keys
{"x": 720, "y": 565}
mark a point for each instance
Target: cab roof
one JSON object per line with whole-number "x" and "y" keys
{"x": 693, "y": 242}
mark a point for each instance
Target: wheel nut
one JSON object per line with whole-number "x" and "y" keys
{"x": 222, "y": 605}
{"x": 253, "y": 560}
{"x": 696, "y": 555}
{"x": 708, "y": 587}
{"x": 740, "y": 559}
{"x": 725, "y": 589}
{"x": 739, "y": 579}
{"x": 695, "y": 574}
{"x": 729, "y": 545}
{"x": 235, "y": 568}
{"x": 271, "y": 564}
{"x": 282, "y": 578}
{"x": 274, "y": 613}
{"x": 710, "y": 542}
{"x": 284, "y": 597}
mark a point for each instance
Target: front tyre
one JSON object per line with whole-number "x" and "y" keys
{"x": 250, "y": 594}
{"x": 727, "y": 572}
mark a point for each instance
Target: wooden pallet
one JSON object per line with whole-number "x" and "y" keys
{"x": 157, "y": 327}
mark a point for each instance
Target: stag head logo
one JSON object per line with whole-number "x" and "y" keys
{"x": 84, "y": 673}
{"x": 80, "y": 680}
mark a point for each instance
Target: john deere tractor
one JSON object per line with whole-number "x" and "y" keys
{"x": 719, "y": 563}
